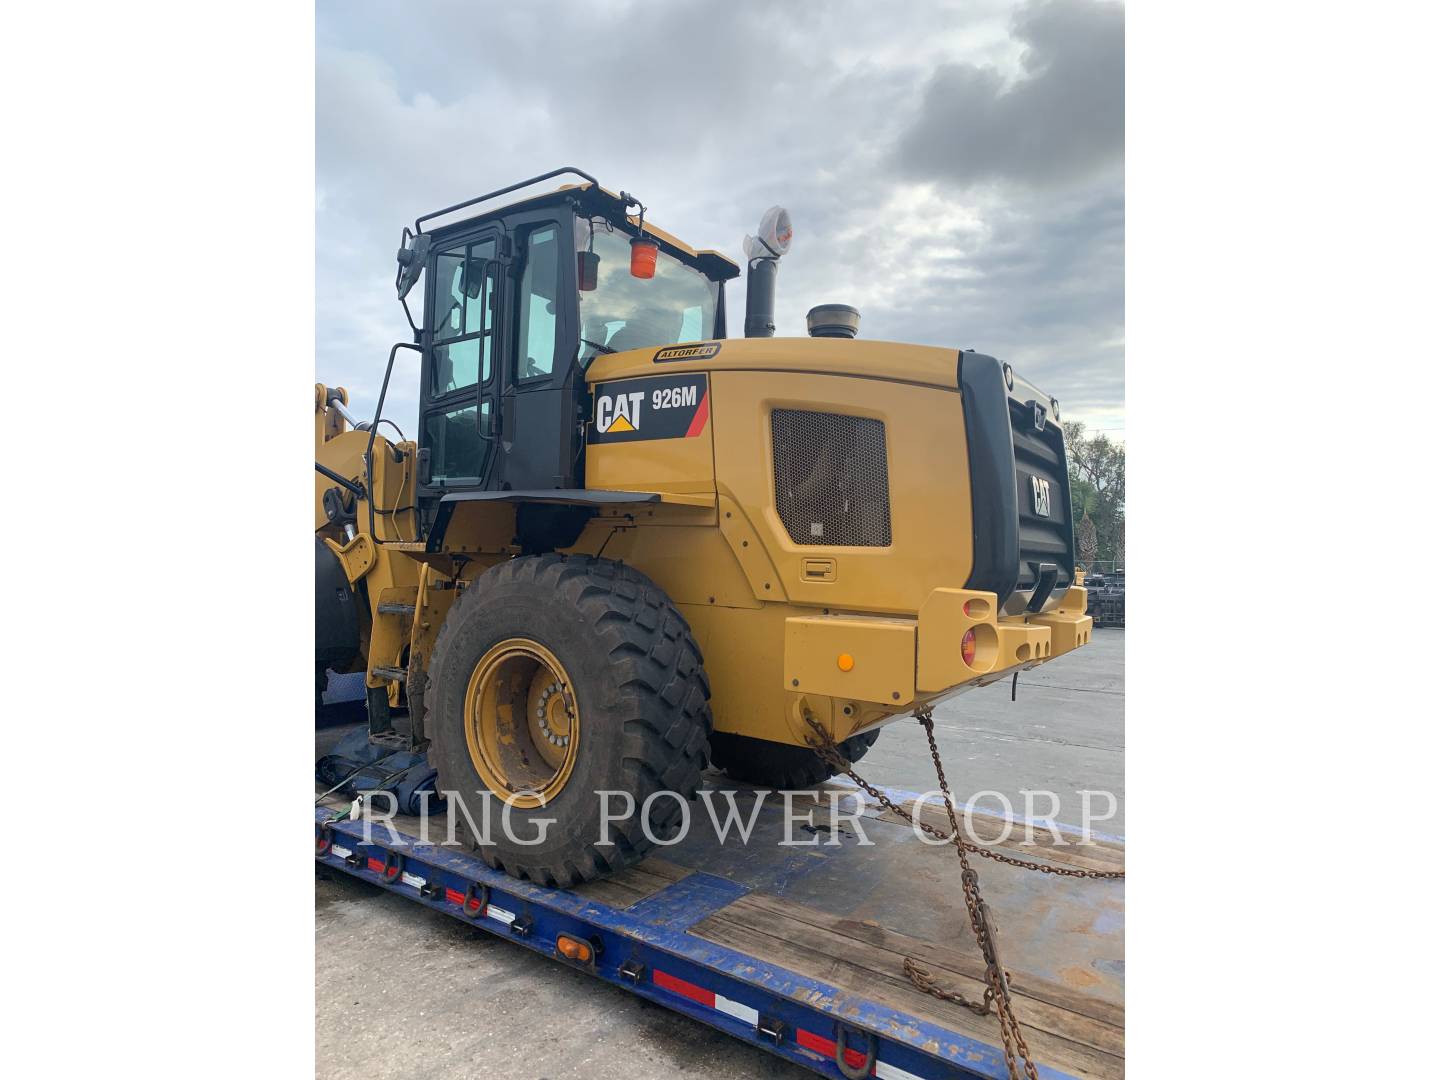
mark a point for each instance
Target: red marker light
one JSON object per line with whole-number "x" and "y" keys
{"x": 967, "y": 648}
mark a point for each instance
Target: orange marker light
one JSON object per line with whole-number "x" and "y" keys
{"x": 845, "y": 661}
{"x": 967, "y": 648}
{"x": 642, "y": 257}
{"x": 574, "y": 949}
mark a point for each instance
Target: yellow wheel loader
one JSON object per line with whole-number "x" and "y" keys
{"x": 622, "y": 545}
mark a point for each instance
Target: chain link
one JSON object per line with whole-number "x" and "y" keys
{"x": 997, "y": 992}
{"x": 827, "y": 748}
{"x": 926, "y": 981}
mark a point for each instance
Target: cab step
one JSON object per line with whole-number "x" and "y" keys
{"x": 391, "y": 607}
{"x": 390, "y": 674}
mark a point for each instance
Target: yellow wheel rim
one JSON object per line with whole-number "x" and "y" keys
{"x": 522, "y": 722}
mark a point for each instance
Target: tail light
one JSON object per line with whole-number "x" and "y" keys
{"x": 967, "y": 648}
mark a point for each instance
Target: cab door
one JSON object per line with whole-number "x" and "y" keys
{"x": 541, "y": 407}
{"x": 461, "y": 384}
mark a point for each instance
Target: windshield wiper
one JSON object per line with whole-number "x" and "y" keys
{"x": 601, "y": 348}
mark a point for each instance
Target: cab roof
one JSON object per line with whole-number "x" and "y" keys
{"x": 714, "y": 263}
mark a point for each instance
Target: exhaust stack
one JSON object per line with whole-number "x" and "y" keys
{"x": 762, "y": 254}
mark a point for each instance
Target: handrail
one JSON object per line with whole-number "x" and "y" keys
{"x": 505, "y": 191}
{"x": 370, "y": 443}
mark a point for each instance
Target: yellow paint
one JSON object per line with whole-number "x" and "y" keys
{"x": 855, "y": 636}
{"x": 884, "y": 672}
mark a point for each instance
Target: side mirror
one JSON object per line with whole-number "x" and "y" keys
{"x": 414, "y": 250}
{"x": 475, "y": 271}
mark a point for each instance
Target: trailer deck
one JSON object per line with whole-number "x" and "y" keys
{"x": 795, "y": 947}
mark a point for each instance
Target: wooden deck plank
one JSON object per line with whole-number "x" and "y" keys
{"x": 609, "y": 891}
{"x": 1075, "y": 1058}
{"x": 885, "y": 959}
{"x": 938, "y": 956}
{"x": 633, "y": 884}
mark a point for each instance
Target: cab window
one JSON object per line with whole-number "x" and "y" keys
{"x": 462, "y": 338}
{"x": 624, "y": 312}
{"x": 539, "y": 289}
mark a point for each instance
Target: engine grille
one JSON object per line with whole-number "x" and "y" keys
{"x": 832, "y": 480}
{"x": 1046, "y": 539}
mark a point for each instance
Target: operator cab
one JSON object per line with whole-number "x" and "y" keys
{"x": 517, "y": 302}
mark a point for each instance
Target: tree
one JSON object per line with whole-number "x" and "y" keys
{"x": 1087, "y": 543}
{"x": 1097, "y": 494}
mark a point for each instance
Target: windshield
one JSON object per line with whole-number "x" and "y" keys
{"x": 625, "y": 312}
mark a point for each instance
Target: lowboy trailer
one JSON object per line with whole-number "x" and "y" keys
{"x": 801, "y": 949}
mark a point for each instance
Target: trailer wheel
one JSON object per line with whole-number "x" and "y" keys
{"x": 779, "y": 765}
{"x": 556, "y": 678}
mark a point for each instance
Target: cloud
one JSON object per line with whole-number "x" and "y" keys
{"x": 1061, "y": 120}
{"x": 710, "y": 114}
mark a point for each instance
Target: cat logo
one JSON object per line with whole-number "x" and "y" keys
{"x": 618, "y": 412}
{"x": 1040, "y": 488}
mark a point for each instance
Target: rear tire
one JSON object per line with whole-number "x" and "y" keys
{"x": 780, "y": 765}
{"x": 642, "y": 715}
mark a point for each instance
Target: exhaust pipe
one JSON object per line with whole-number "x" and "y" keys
{"x": 760, "y": 297}
{"x": 763, "y": 253}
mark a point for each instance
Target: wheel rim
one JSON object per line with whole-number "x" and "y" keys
{"x": 522, "y": 722}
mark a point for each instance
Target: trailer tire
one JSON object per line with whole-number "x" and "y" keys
{"x": 642, "y": 722}
{"x": 778, "y": 765}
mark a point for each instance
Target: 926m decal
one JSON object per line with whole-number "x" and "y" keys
{"x": 652, "y": 407}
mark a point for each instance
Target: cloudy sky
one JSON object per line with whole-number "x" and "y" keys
{"x": 953, "y": 170}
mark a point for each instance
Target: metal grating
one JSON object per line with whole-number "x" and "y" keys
{"x": 832, "y": 481}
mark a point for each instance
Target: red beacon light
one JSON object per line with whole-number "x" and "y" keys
{"x": 643, "y": 250}
{"x": 643, "y": 253}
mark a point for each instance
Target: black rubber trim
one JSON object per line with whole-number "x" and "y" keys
{"x": 561, "y": 496}
{"x": 994, "y": 511}
{"x": 577, "y": 496}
